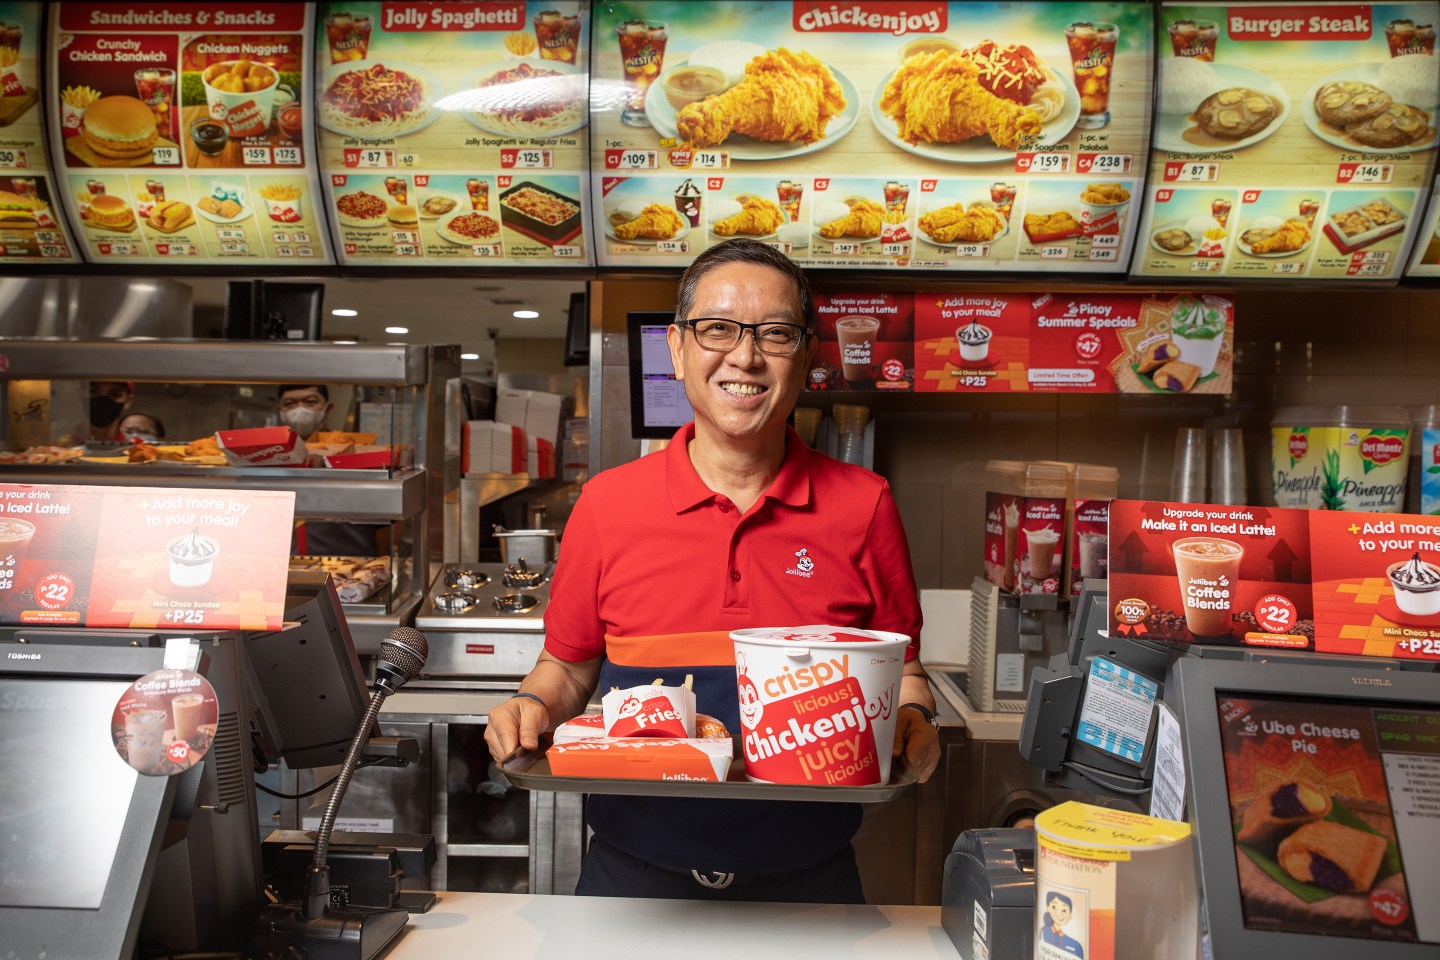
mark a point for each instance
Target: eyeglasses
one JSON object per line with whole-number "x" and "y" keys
{"x": 775, "y": 339}
{"x": 314, "y": 402}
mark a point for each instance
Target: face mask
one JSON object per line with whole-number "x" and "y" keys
{"x": 142, "y": 437}
{"x": 104, "y": 411}
{"x": 302, "y": 420}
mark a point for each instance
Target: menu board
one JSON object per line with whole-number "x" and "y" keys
{"x": 922, "y": 134}
{"x": 183, "y": 132}
{"x": 1425, "y": 262}
{"x": 455, "y": 133}
{"x": 1156, "y": 343}
{"x": 31, "y": 227}
{"x": 1290, "y": 140}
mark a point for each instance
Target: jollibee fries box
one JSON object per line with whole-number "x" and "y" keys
{"x": 650, "y": 711}
{"x": 643, "y": 758}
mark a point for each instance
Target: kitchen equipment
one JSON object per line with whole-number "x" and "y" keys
{"x": 536, "y": 547}
{"x": 485, "y": 619}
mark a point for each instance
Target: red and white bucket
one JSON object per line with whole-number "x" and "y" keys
{"x": 817, "y": 703}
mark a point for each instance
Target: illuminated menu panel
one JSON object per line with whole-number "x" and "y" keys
{"x": 183, "y": 134}
{"x": 1290, "y": 141}
{"x": 455, "y": 133}
{"x": 812, "y": 126}
{"x": 31, "y": 227}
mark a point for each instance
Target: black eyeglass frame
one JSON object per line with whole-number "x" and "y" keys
{"x": 754, "y": 329}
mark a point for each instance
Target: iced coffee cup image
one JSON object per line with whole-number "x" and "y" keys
{"x": 857, "y": 335}
{"x": 1416, "y": 583}
{"x": 1208, "y": 571}
{"x": 1012, "y": 541}
{"x": 15, "y": 535}
{"x": 974, "y": 340}
{"x": 1040, "y": 550}
{"x": 145, "y": 739}
{"x": 1094, "y": 561}
{"x": 192, "y": 558}
{"x": 187, "y": 711}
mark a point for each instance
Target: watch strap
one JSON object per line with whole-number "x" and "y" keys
{"x": 925, "y": 712}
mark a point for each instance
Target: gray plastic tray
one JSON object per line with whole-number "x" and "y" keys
{"x": 531, "y": 771}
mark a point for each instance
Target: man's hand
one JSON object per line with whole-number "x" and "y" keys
{"x": 917, "y": 740}
{"x": 562, "y": 689}
{"x": 515, "y": 723}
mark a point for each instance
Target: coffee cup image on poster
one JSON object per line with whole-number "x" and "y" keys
{"x": 1326, "y": 805}
{"x": 1196, "y": 573}
{"x": 865, "y": 343}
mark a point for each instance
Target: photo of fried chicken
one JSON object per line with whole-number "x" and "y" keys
{"x": 938, "y": 97}
{"x": 1289, "y": 237}
{"x": 1041, "y": 225}
{"x": 954, "y": 224}
{"x": 758, "y": 217}
{"x": 863, "y": 222}
{"x": 784, "y": 96}
{"x": 656, "y": 222}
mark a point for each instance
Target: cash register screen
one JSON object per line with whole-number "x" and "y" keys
{"x": 658, "y": 406}
{"x": 1336, "y": 811}
{"x": 64, "y": 791}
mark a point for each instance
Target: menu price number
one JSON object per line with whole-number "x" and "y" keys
{"x": 229, "y": 233}
{"x": 1275, "y": 613}
{"x": 167, "y": 156}
{"x": 372, "y": 159}
{"x": 1367, "y": 269}
{"x": 409, "y": 159}
{"x": 1192, "y": 172}
{"x": 1425, "y": 646}
{"x": 53, "y": 250}
{"x": 234, "y": 249}
{"x": 899, "y": 250}
{"x": 973, "y": 250}
{"x": 672, "y": 246}
{"x": 780, "y": 245}
{"x": 288, "y": 157}
{"x": 188, "y": 617}
{"x": 14, "y": 159}
{"x": 1112, "y": 163}
{"x": 54, "y": 591}
{"x": 284, "y": 251}
{"x": 255, "y": 156}
{"x": 710, "y": 160}
{"x": 1205, "y": 266}
{"x": 631, "y": 159}
{"x": 175, "y": 249}
{"x": 847, "y": 249}
{"x": 1371, "y": 256}
{"x": 1054, "y": 253}
{"x": 404, "y": 236}
{"x": 527, "y": 159}
{"x": 1288, "y": 269}
{"x": 1104, "y": 253}
{"x": 1042, "y": 163}
{"x": 568, "y": 250}
{"x": 1365, "y": 173}
{"x": 117, "y": 249}
{"x": 407, "y": 249}
{"x": 972, "y": 380}
{"x": 486, "y": 249}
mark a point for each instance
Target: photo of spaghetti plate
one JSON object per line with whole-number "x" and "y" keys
{"x": 544, "y": 98}
{"x": 371, "y": 98}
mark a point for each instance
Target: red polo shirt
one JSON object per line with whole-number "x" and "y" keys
{"x": 656, "y": 569}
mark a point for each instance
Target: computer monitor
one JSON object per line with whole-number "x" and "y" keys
{"x": 658, "y": 406}
{"x": 577, "y": 331}
{"x": 1311, "y": 784}
{"x": 264, "y": 310}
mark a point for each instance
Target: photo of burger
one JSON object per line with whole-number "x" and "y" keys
{"x": 119, "y": 128}
{"x": 16, "y": 212}
{"x": 109, "y": 212}
{"x": 403, "y": 217}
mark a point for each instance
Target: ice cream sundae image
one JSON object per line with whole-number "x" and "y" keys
{"x": 1417, "y": 586}
{"x": 192, "y": 557}
{"x": 974, "y": 339}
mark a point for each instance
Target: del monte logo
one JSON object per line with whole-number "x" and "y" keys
{"x": 1381, "y": 450}
{"x": 1299, "y": 446}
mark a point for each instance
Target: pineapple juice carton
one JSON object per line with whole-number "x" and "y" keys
{"x": 1340, "y": 458}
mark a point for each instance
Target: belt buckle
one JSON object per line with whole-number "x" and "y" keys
{"x": 719, "y": 881}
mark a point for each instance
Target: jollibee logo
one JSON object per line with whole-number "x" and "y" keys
{"x": 804, "y": 565}
{"x": 750, "y": 706}
{"x": 631, "y": 707}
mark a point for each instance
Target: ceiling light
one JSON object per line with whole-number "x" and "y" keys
{"x": 344, "y": 312}
{"x": 397, "y": 329}
{"x": 469, "y": 356}
{"x": 525, "y": 314}
{"x": 347, "y": 343}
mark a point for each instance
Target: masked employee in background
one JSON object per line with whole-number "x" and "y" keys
{"x": 306, "y": 408}
{"x": 666, "y": 555}
{"x": 109, "y": 399}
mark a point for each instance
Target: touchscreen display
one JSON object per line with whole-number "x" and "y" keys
{"x": 662, "y": 396}
{"x": 64, "y": 791}
{"x": 1336, "y": 813}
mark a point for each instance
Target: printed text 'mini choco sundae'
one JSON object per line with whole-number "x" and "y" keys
{"x": 1417, "y": 586}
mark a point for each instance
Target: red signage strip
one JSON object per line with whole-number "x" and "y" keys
{"x": 870, "y": 16}
{"x": 442, "y": 17}
{"x": 175, "y": 17}
{"x": 1281, "y": 22}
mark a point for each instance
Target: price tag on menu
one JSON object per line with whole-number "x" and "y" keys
{"x": 288, "y": 157}
{"x": 486, "y": 249}
{"x": 672, "y": 246}
{"x": 847, "y": 249}
{"x": 1054, "y": 253}
{"x": 1103, "y": 253}
{"x": 369, "y": 159}
{"x": 973, "y": 250}
{"x": 229, "y": 233}
{"x": 407, "y": 250}
{"x": 1288, "y": 269}
{"x": 166, "y": 156}
{"x": 1042, "y": 163}
{"x": 13, "y": 159}
{"x": 255, "y": 156}
{"x": 783, "y": 247}
{"x": 528, "y": 159}
{"x": 1192, "y": 172}
{"x": 53, "y": 250}
{"x": 1365, "y": 173}
{"x": 1111, "y": 163}
{"x": 408, "y": 159}
{"x": 1367, "y": 269}
{"x": 1206, "y": 266}
{"x": 1105, "y": 240}
{"x": 710, "y": 160}
{"x": 631, "y": 159}
{"x": 234, "y": 249}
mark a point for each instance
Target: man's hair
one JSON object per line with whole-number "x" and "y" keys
{"x": 1061, "y": 897}
{"x": 744, "y": 250}
{"x": 319, "y": 388}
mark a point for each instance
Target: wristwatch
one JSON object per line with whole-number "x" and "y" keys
{"x": 925, "y": 712}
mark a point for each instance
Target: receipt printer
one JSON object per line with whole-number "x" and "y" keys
{"x": 987, "y": 900}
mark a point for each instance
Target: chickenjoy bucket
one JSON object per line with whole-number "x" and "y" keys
{"x": 817, "y": 703}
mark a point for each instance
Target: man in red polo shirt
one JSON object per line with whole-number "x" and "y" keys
{"x": 735, "y": 524}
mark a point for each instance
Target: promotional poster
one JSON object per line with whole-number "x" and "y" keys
{"x": 1290, "y": 140}
{"x": 1031, "y": 166}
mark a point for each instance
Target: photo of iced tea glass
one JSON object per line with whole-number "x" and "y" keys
{"x": 155, "y": 188}
{"x": 397, "y": 188}
{"x": 897, "y": 195}
{"x": 1220, "y": 210}
{"x": 1194, "y": 38}
{"x": 156, "y": 86}
{"x": 10, "y": 36}
{"x": 348, "y": 35}
{"x": 1406, "y": 37}
{"x": 25, "y": 186}
{"x": 1308, "y": 210}
{"x": 789, "y": 193}
{"x": 479, "y": 191}
{"x": 558, "y": 35}
{"x": 96, "y": 188}
{"x": 1092, "y": 56}
{"x": 1003, "y": 196}
{"x": 642, "y": 52}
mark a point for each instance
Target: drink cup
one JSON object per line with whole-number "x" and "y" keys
{"x": 1308, "y": 210}
{"x": 1187, "y": 476}
{"x": 642, "y": 52}
{"x": 1227, "y": 467}
{"x": 1208, "y": 571}
{"x": 1220, "y": 210}
{"x": 1040, "y": 551}
{"x": 857, "y": 335}
{"x": 897, "y": 195}
{"x": 479, "y": 191}
{"x": 1003, "y": 196}
{"x": 558, "y": 35}
{"x": 1406, "y": 37}
{"x": 15, "y": 535}
{"x": 687, "y": 202}
{"x": 1094, "y": 559}
{"x": 145, "y": 733}
{"x": 156, "y": 86}
{"x": 1092, "y": 56}
{"x": 348, "y": 35}
{"x": 789, "y": 193}
{"x": 397, "y": 188}
{"x": 186, "y": 710}
{"x": 1194, "y": 38}
{"x": 1012, "y": 541}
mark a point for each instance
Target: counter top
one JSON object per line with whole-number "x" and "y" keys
{"x": 519, "y": 926}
